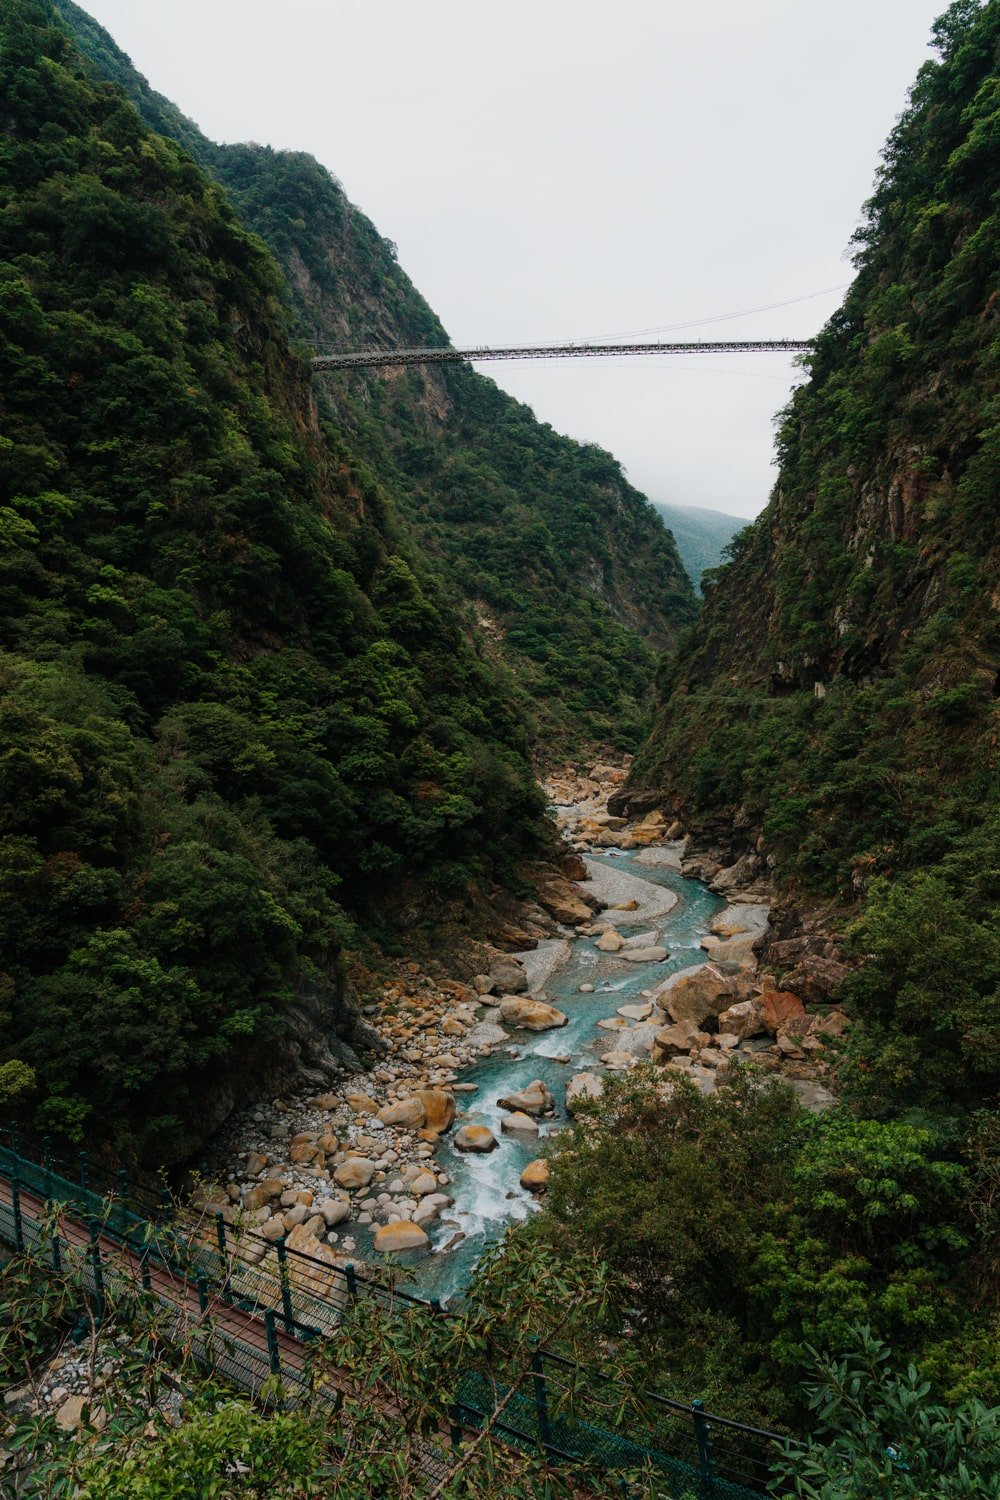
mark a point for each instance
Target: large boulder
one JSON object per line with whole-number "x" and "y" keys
{"x": 408, "y": 1112}
{"x": 507, "y": 976}
{"x": 475, "y": 1138}
{"x": 403, "y": 1235}
{"x": 815, "y": 978}
{"x": 696, "y": 994}
{"x": 355, "y": 1172}
{"x": 583, "y": 1086}
{"x": 654, "y": 955}
{"x": 535, "y": 1176}
{"x": 564, "y": 901}
{"x": 531, "y": 1015}
{"x": 744, "y": 1019}
{"x": 652, "y": 829}
{"x": 835, "y": 1024}
{"x": 782, "y": 1011}
{"x": 519, "y": 1124}
{"x": 533, "y": 1100}
{"x": 439, "y": 1109}
{"x": 573, "y": 867}
{"x": 680, "y": 1037}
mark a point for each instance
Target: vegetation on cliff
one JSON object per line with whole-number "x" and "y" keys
{"x": 234, "y": 704}
{"x": 840, "y": 700}
{"x": 836, "y": 713}
{"x": 561, "y": 567}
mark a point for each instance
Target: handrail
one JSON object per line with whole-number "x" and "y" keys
{"x": 243, "y": 1286}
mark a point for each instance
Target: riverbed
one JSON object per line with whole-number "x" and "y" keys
{"x": 676, "y": 913}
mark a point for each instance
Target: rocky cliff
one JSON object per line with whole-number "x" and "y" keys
{"x": 838, "y": 702}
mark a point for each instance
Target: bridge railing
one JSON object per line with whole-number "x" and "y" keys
{"x": 562, "y": 1409}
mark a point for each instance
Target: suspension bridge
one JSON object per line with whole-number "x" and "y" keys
{"x": 373, "y": 359}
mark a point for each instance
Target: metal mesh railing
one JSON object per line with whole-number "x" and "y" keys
{"x": 240, "y": 1299}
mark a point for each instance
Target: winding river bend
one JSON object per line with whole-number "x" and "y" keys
{"x": 486, "y": 1187}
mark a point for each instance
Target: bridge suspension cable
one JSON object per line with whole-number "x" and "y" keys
{"x": 379, "y": 358}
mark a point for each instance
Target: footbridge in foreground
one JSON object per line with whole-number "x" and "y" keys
{"x": 252, "y": 1310}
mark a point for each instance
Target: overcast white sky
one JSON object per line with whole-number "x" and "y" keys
{"x": 559, "y": 169}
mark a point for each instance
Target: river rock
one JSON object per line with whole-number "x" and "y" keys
{"x": 532, "y": 1015}
{"x": 424, "y": 1184}
{"x": 535, "y": 1176}
{"x": 586, "y": 989}
{"x": 335, "y": 1211}
{"x": 486, "y": 1034}
{"x": 636, "y": 1012}
{"x": 519, "y": 1124}
{"x": 361, "y": 1104}
{"x": 261, "y": 1195}
{"x": 475, "y": 1138}
{"x": 355, "y": 1172}
{"x": 610, "y": 941}
{"x": 533, "y": 1100}
{"x": 583, "y": 1086}
{"x": 408, "y": 1112}
{"x": 256, "y": 1162}
{"x": 654, "y": 955}
{"x": 632, "y": 905}
{"x": 402, "y": 1235}
{"x": 695, "y": 994}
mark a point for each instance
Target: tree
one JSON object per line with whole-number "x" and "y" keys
{"x": 877, "y": 1434}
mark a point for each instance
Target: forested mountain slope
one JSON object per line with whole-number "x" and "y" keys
{"x": 234, "y": 706}
{"x": 564, "y": 568}
{"x": 838, "y": 704}
{"x": 701, "y": 535}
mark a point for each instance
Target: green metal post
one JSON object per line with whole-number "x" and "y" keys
{"x": 47, "y": 1159}
{"x": 145, "y": 1250}
{"x": 541, "y": 1395}
{"x": 15, "y": 1139}
{"x": 286, "y": 1290}
{"x": 202, "y": 1294}
{"x": 95, "y": 1260}
{"x": 351, "y": 1277}
{"x": 122, "y": 1184}
{"x": 706, "y": 1468}
{"x": 455, "y": 1426}
{"x": 15, "y": 1202}
{"x": 84, "y": 1171}
{"x": 220, "y": 1235}
{"x": 273, "y": 1352}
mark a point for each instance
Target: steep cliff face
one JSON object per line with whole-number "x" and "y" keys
{"x": 237, "y": 713}
{"x": 839, "y": 697}
{"x": 563, "y": 570}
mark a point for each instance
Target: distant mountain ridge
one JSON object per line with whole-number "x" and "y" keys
{"x": 564, "y": 571}
{"x": 701, "y": 535}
